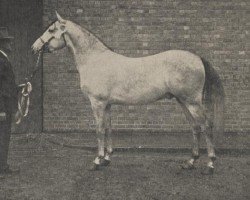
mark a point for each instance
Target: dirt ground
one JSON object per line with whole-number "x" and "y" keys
{"x": 52, "y": 172}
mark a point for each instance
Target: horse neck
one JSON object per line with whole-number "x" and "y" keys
{"x": 82, "y": 43}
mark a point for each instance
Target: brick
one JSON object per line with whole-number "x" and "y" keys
{"x": 138, "y": 28}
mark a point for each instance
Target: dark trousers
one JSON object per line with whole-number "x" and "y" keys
{"x": 5, "y": 131}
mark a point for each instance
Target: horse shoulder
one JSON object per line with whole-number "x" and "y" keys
{"x": 97, "y": 82}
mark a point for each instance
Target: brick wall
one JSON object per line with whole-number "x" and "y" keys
{"x": 215, "y": 30}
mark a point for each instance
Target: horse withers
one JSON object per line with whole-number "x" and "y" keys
{"x": 109, "y": 78}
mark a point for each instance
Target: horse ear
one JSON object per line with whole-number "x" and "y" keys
{"x": 60, "y": 19}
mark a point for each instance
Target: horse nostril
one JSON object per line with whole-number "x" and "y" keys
{"x": 46, "y": 48}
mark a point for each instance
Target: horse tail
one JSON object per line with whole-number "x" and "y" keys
{"x": 213, "y": 98}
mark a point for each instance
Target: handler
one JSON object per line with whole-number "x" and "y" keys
{"x": 8, "y": 100}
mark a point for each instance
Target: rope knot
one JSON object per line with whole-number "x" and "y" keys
{"x": 23, "y": 102}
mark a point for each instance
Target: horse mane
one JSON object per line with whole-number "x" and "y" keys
{"x": 51, "y": 23}
{"x": 91, "y": 35}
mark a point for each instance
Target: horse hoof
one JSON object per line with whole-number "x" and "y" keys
{"x": 208, "y": 171}
{"x": 94, "y": 167}
{"x": 105, "y": 162}
{"x": 187, "y": 166}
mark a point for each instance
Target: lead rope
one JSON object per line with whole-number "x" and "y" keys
{"x": 24, "y": 100}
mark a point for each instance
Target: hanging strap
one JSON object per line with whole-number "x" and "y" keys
{"x": 24, "y": 97}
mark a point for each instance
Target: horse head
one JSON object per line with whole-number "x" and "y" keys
{"x": 53, "y": 38}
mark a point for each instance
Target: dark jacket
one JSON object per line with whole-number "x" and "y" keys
{"x": 8, "y": 87}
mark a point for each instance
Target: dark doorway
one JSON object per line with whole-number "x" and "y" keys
{"x": 23, "y": 18}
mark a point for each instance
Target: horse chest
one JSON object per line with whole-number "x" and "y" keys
{"x": 94, "y": 89}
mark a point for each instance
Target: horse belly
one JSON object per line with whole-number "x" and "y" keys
{"x": 138, "y": 94}
{"x": 139, "y": 81}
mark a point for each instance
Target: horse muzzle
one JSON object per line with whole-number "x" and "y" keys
{"x": 37, "y": 46}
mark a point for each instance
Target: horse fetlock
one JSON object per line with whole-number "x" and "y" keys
{"x": 110, "y": 150}
{"x": 188, "y": 164}
{"x": 98, "y": 159}
{"x": 210, "y": 164}
{"x": 211, "y": 155}
{"x": 107, "y": 157}
{"x": 101, "y": 154}
{"x": 191, "y": 161}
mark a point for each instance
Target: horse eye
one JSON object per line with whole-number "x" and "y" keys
{"x": 51, "y": 30}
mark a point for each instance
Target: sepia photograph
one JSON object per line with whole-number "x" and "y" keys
{"x": 124, "y": 100}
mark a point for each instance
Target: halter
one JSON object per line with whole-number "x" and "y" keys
{"x": 45, "y": 43}
{"x": 42, "y": 40}
{"x": 50, "y": 38}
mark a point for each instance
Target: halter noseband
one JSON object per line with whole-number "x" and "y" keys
{"x": 42, "y": 40}
{"x": 46, "y": 42}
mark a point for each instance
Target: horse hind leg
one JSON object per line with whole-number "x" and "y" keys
{"x": 210, "y": 146}
{"x": 204, "y": 122}
{"x": 196, "y": 130}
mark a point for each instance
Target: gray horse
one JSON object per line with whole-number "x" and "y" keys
{"x": 109, "y": 78}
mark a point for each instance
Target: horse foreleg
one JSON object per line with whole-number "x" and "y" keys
{"x": 99, "y": 114}
{"x": 108, "y": 132}
{"x": 196, "y": 143}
